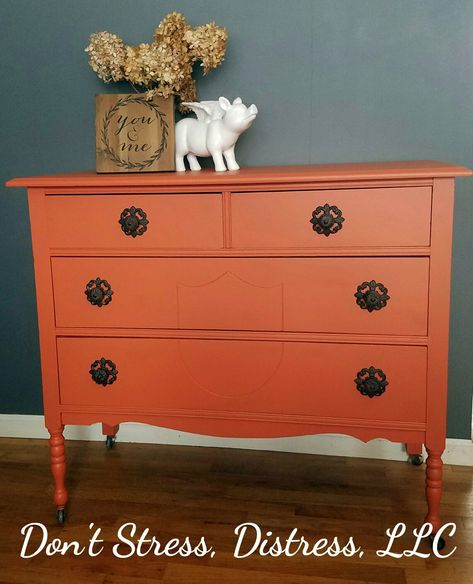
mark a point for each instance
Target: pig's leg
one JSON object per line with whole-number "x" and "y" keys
{"x": 193, "y": 162}
{"x": 232, "y": 164}
{"x": 180, "y": 136}
{"x": 218, "y": 161}
{"x": 180, "y": 166}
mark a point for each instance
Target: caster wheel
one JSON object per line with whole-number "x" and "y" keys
{"x": 440, "y": 544}
{"x": 416, "y": 459}
{"x": 109, "y": 442}
{"x": 61, "y": 516}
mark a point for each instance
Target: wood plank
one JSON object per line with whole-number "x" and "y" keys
{"x": 133, "y": 133}
{"x": 192, "y": 491}
{"x": 255, "y": 175}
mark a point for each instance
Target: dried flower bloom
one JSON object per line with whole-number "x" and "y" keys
{"x": 171, "y": 29}
{"x": 163, "y": 67}
{"x": 207, "y": 44}
{"x": 136, "y": 64}
{"x": 188, "y": 93}
{"x": 106, "y": 55}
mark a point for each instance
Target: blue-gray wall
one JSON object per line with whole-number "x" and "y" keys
{"x": 335, "y": 81}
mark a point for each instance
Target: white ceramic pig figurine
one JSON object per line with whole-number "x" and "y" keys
{"x": 214, "y": 132}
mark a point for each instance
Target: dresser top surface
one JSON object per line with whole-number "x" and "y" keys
{"x": 417, "y": 169}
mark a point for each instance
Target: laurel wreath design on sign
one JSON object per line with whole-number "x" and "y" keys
{"x": 108, "y": 150}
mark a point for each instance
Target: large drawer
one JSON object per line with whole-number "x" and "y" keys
{"x": 372, "y": 217}
{"x": 288, "y": 378}
{"x": 174, "y": 221}
{"x": 274, "y": 294}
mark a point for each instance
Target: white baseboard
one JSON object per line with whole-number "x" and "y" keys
{"x": 17, "y": 426}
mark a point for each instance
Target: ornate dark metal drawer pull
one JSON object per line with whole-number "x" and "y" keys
{"x": 98, "y": 292}
{"x": 133, "y": 221}
{"x": 327, "y": 220}
{"x": 371, "y": 381}
{"x": 103, "y": 371}
{"x": 371, "y": 296}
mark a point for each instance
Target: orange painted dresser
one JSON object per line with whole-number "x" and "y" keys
{"x": 264, "y": 302}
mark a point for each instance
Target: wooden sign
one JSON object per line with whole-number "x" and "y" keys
{"x": 134, "y": 134}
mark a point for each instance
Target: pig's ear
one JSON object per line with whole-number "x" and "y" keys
{"x": 224, "y": 103}
{"x": 237, "y": 100}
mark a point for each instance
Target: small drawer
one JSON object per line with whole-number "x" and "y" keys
{"x": 387, "y": 296}
{"x": 274, "y": 378}
{"x": 134, "y": 221}
{"x": 370, "y": 217}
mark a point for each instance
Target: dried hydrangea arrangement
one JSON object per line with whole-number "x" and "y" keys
{"x": 164, "y": 66}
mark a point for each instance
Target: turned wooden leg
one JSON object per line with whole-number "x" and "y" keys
{"x": 110, "y": 432}
{"x": 58, "y": 469}
{"x": 433, "y": 487}
{"x": 414, "y": 450}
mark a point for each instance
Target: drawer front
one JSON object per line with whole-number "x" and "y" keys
{"x": 169, "y": 221}
{"x": 293, "y": 378}
{"x": 374, "y": 217}
{"x": 274, "y": 294}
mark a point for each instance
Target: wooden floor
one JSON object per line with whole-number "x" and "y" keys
{"x": 191, "y": 491}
